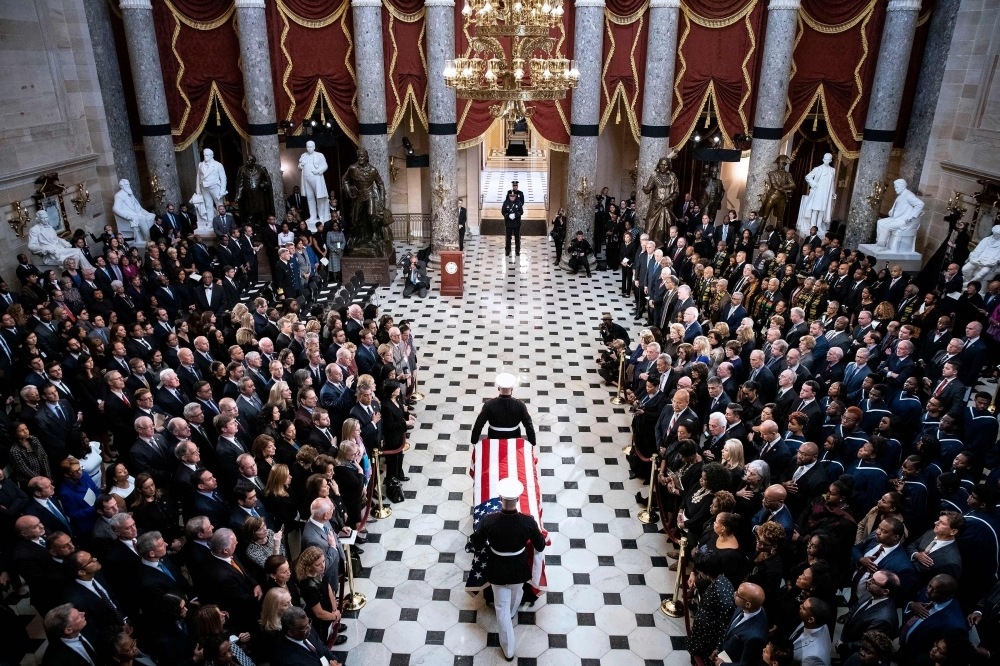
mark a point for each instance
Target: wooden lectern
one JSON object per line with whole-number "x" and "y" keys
{"x": 452, "y": 273}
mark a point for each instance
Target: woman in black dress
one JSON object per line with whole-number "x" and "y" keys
{"x": 350, "y": 479}
{"x": 317, "y": 595}
{"x": 278, "y": 500}
{"x": 629, "y": 246}
{"x": 745, "y": 244}
{"x": 89, "y": 389}
{"x": 153, "y": 509}
{"x": 765, "y": 569}
{"x": 695, "y": 513}
{"x": 721, "y": 538}
{"x": 558, "y": 233}
{"x": 394, "y": 423}
{"x": 717, "y": 605}
{"x": 756, "y": 477}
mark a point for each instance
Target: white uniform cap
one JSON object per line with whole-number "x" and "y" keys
{"x": 505, "y": 380}
{"x": 510, "y": 488}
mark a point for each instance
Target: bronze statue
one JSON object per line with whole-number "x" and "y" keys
{"x": 712, "y": 194}
{"x": 253, "y": 192}
{"x": 662, "y": 189}
{"x": 777, "y": 188}
{"x": 371, "y": 220}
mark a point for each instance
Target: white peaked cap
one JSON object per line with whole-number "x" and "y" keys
{"x": 505, "y": 380}
{"x": 510, "y": 488}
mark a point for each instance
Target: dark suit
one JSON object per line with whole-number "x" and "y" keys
{"x": 897, "y": 562}
{"x": 238, "y": 516}
{"x": 99, "y": 613}
{"x": 864, "y": 617}
{"x": 512, "y": 212}
{"x": 947, "y": 559}
{"x": 60, "y": 654}
{"x": 217, "y": 511}
{"x": 745, "y": 642}
{"x": 973, "y": 360}
{"x": 158, "y": 461}
{"x": 290, "y": 653}
{"x": 43, "y": 574}
{"x": 51, "y": 521}
{"x": 232, "y": 590}
{"x": 765, "y": 380}
{"x": 218, "y": 303}
{"x": 815, "y": 414}
{"x": 917, "y": 641}
{"x": 56, "y": 431}
{"x": 371, "y": 433}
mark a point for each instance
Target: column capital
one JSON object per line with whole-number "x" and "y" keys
{"x": 366, "y": 3}
{"x": 136, "y": 4}
{"x": 589, "y": 3}
{"x": 439, "y": 3}
{"x": 904, "y": 6}
{"x": 667, "y": 4}
{"x": 249, "y": 4}
{"x": 784, "y": 4}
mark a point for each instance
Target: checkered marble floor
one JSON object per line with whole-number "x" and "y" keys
{"x": 607, "y": 572}
{"x": 495, "y": 184}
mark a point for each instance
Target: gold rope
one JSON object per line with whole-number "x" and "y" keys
{"x": 313, "y": 23}
{"x": 619, "y": 19}
{"x": 923, "y": 19}
{"x": 201, "y": 25}
{"x": 832, "y": 29}
{"x": 726, "y": 142}
{"x": 722, "y": 22}
{"x": 680, "y": 75}
{"x": 288, "y": 67}
{"x": 857, "y": 77}
{"x": 215, "y": 99}
{"x": 180, "y": 74}
{"x": 402, "y": 16}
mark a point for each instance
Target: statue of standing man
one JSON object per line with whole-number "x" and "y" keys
{"x": 816, "y": 209}
{"x": 211, "y": 183}
{"x": 662, "y": 189}
{"x": 313, "y": 166}
{"x": 777, "y": 188}
{"x": 253, "y": 192}
{"x": 369, "y": 216}
{"x": 712, "y": 194}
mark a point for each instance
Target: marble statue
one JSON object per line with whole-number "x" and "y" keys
{"x": 984, "y": 262}
{"x": 204, "y": 222}
{"x": 364, "y": 188}
{"x": 253, "y": 192}
{"x": 898, "y": 232}
{"x": 662, "y": 189}
{"x": 777, "y": 188}
{"x": 313, "y": 166}
{"x": 130, "y": 214}
{"x": 816, "y": 208}
{"x": 712, "y": 194}
{"x": 46, "y": 244}
{"x": 211, "y": 183}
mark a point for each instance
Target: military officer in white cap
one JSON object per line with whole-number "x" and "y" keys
{"x": 505, "y": 414}
{"x": 508, "y": 568}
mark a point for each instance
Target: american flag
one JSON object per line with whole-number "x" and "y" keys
{"x": 493, "y": 460}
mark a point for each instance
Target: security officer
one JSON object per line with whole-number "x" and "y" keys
{"x": 518, "y": 194}
{"x": 512, "y": 210}
{"x": 507, "y": 568}
{"x": 505, "y": 414}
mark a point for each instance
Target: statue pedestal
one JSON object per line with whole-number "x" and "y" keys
{"x": 908, "y": 261}
{"x": 380, "y": 271}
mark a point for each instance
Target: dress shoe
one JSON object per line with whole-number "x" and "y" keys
{"x": 341, "y": 628}
{"x": 358, "y": 550}
{"x": 506, "y": 658}
{"x": 402, "y": 478}
{"x": 340, "y": 640}
{"x": 631, "y": 475}
{"x": 639, "y": 499}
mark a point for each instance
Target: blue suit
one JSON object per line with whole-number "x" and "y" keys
{"x": 735, "y": 317}
{"x": 916, "y": 640}
{"x": 745, "y": 642}
{"x": 692, "y": 332}
{"x": 898, "y": 562}
{"x": 782, "y": 516}
{"x": 854, "y": 377}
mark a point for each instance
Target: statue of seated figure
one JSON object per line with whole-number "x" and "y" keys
{"x": 898, "y": 231}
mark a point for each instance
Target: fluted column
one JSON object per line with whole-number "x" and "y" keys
{"x": 112, "y": 92}
{"x": 932, "y": 67}
{"x": 782, "y": 22}
{"x": 262, "y": 124}
{"x": 442, "y": 129}
{"x": 883, "y": 111}
{"x": 147, "y": 77}
{"x": 584, "y": 117}
{"x": 368, "y": 61}
{"x": 657, "y": 92}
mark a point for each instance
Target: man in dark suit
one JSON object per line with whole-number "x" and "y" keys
{"x": 31, "y": 557}
{"x": 247, "y": 506}
{"x": 877, "y": 613}
{"x": 855, "y": 372}
{"x": 462, "y": 218}
{"x": 805, "y": 479}
{"x": 894, "y": 286}
{"x": 748, "y": 628}
{"x": 734, "y": 313}
{"x": 300, "y": 645}
{"x": 151, "y": 454}
{"x": 208, "y": 295}
{"x": 223, "y": 223}
{"x": 89, "y": 591}
{"x": 973, "y": 354}
{"x": 774, "y": 509}
{"x": 197, "y": 552}
{"x": 767, "y": 385}
{"x": 368, "y": 414}
{"x": 882, "y": 550}
{"x": 513, "y": 209}
{"x": 282, "y": 282}
{"x": 298, "y": 202}
{"x": 231, "y": 588}
{"x": 65, "y": 626}
{"x": 936, "y": 551}
{"x": 58, "y": 424}
{"x": 206, "y": 501}
{"x": 46, "y": 507}
{"x": 926, "y": 620}
{"x": 809, "y": 406}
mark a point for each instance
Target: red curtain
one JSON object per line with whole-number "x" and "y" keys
{"x": 197, "y": 40}
{"x": 626, "y": 26}
{"x": 719, "y": 50}
{"x": 551, "y": 119}
{"x": 403, "y": 26}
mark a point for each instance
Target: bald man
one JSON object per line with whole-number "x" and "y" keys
{"x": 774, "y": 509}
{"x": 773, "y": 449}
{"x": 804, "y": 479}
{"x": 926, "y": 620}
{"x": 747, "y": 634}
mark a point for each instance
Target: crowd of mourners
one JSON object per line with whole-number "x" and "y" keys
{"x": 812, "y": 429}
{"x": 182, "y": 468}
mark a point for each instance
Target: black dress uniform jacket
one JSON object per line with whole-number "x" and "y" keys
{"x": 504, "y": 412}
{"x": 508, "y": 533}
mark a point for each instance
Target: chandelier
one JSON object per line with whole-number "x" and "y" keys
{"x": 532, "y": 70}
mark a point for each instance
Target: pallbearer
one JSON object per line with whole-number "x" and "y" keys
{"x": 508, "y": 568}
{"x": 505, "y": 414}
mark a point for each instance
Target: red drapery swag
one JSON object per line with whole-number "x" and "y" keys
{"x": 550, "y": 120}
{"x": 403, "y": 28}
{"x": 312, "y": 60}
{"x": 719, "y": 48}
{"x": 626, "y": 26}
{"x": 196, "y": 40}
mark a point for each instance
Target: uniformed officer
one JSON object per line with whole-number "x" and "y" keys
{"x": 505, "y": 414}
{"x": 508, "y": 569}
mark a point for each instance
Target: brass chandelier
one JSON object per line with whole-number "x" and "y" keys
{"x": 532, "y": 71}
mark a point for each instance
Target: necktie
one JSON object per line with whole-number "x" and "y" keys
{"x": 309, "y": 646}
{"x": 966, "y": 344}
{"x": 865, "y": 606}
{"x": 940, "y": 388}
{"x": 253, "y": 512}
{"x": 6, "y": 350}
{"x": 798, "y": 474}
{"x": 60, "y": 412}
{"x": 110, "y": 604}
{"x": 908, "y": 625}
{"x": 159, "y": 565}
{"x": 235, "y": 566}
{"x": 55, "y": 511}
{"x": 862, "y": 570}
{"x": 125, "y": 400}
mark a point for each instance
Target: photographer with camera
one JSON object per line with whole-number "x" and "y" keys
{"x": 579, "y": 248}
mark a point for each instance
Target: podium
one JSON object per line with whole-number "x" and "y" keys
{"x": 452, "y": 273}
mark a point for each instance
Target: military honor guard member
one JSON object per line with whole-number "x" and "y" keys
{"x": 505, "y": 414}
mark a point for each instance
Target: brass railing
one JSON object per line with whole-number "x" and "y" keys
{"x": 410, "y": 226}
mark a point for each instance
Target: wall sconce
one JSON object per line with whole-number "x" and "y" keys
{"x": 81, "y": 199}
{"x": 159, "y": 194}
{"x": 875, "y": 198}
{"x": 18, "y": 218}
{"x": 393, "y": 169}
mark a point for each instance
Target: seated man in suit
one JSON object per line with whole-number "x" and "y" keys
{"x": 926, "y": 620}
{"x": 878, "y": 613}
{"x": 300, "y": 645}
{"x": 936, "y": 552}
{"x": 748, "y": 630}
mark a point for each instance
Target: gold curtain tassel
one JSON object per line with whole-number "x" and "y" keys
{"x": 322, "y": 112}
{"x": 411, "y": 119}
{"x": 218, "y": 119}
{"x": 618, "y": 112}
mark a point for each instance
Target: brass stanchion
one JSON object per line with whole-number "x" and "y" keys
{"x": 355, "y": 600}
{"x": 618, "y": 399}
{"x": 647, "y": 516}
{"x": 675, "y": 607}
{"x": 381, "y": 511}
{"x": 416, "y": 395}
{"x": 628, "y": 449}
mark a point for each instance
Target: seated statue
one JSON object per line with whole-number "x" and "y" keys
{"x": 898, "y": 231}
{"x": 984, "y": 262}
{"x": 130, "y": 214}
{"x": 46, "y": 244}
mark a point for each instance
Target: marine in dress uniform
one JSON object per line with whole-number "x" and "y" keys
{"x": 508, "y": 569}
{"x": 505, "y": 414}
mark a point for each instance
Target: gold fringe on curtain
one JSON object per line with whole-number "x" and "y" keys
{"x": 406, "y": 18}
{"x": 201, "y": 25}
{"x": 314, "y": 23}
{"x": 628, "y": 19}
{"x": 724, "y": 22}
{"x": 829, "y": 29}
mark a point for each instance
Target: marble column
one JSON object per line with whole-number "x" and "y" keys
{"x": 883, "y": 111}
{"x": 772, "y": 91}
{"x": 147, "y": 77}
{"x": 372, "y": 126}
{"x": 584, "y": 119}
{"x": 258, "y": 93}
{"x": 442, "y": 129}
{"x": 112, "y": 92}
{"x": 657, "y": 93}
{"x": 918, "y": 134}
